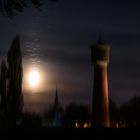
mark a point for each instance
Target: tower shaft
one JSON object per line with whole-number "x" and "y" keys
{"x": 100, "y": 105}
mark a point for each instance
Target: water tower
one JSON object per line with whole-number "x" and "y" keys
{"x": 100, "y": 100}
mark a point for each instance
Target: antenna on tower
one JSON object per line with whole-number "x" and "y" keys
{"x": 100, "y": 40}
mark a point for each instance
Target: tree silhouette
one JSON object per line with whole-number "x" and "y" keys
{"x": 15, "y": 74}
{"x": 3, "y": 95}
{"x": 130, "y": 112}
{"x": 31, "y": 120}
{"x": 79, "y": 113}
{"x": 114, "y": 113}
{"x": 11, "y": 8}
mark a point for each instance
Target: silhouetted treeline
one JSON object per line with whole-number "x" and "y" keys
{"x": 74, "y": 115}
{"x": 30, "y": 120}
{"x": 130, "y": 113}
{"x": 77, "y": 115}
{"x": 127, "y": 115}
{"x": 114, "y": 113}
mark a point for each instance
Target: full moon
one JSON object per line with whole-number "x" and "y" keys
{"x": 34, "y": 78}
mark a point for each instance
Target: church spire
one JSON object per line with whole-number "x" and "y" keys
{"x": 56, "y": 99}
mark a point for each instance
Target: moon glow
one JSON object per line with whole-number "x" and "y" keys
{"x": 34, "y": 78}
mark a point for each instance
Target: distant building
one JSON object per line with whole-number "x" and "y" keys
{"x": 57, "y": 110}
{"x": 55, "y": 114}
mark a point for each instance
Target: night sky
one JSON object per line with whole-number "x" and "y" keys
{"x": 57, "y": 39}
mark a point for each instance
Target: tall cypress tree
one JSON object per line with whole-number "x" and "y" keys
{"x": 3, "y": 104}
{"x": 15, "y": 74}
